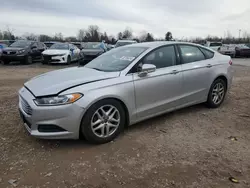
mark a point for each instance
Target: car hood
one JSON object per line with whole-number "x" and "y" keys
{"x": 92, "y": 51}
{"x": 54, "y": 82}
{"x": 54, "y": 52}
{"x": 12, "y": 49}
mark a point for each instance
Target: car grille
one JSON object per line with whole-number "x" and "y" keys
{"x": 8, "y": 53}
{"x": 25, "y": 106}
{"x": 90, "y": 56}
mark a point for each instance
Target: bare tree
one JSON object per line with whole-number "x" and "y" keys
{"x": 127, "y": 33}
{"x": 1, "y": 35}
{"x": 93, "y": 31}
{"x": 30, "y": 36}
{"x": 168, "y": 36}
{"x": 44, "y": 38}
{"x": 71, "y": 39}
{"x": 81, "y": 34}
{"x": 58, "y": 37}
{"x": 119, "y": 36}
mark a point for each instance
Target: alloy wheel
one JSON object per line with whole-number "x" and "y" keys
{"x": 218, "y": 93}
{"x": 105, "y": 121}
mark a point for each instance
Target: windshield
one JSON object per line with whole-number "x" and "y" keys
{"x": 77, "y": 45}
{"x": 21, "y": 44}
{"x": 116, "y": 60}
{"x": 92, "y": 45}
{"x": 118, "y": 44}
{"x": 49, "y": 44}
{"x": 60, "y": 46}
{"x": 216, "y": 44}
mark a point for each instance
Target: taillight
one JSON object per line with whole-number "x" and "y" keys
{"x": 230, "y": 62}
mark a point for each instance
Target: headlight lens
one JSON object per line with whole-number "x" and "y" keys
{"x": 60, "y": 54}
{"x": 58, "y": 100}
{"x": 20, "y": 51}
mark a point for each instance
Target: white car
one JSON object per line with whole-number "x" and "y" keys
{"x": 61, "y": 53}
{"x": 213, "y": 45}
{"x": 227, "y": 49}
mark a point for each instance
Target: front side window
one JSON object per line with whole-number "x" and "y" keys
{"x": 162, "y": 57}
{"x": 191, "y": 54}
{"x": 116, "y": 59}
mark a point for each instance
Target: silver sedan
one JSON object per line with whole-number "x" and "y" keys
{"x": 122, "y": 87}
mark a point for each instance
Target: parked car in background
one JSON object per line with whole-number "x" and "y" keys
{"x": 122, "y": 87}
{"x": 7, "y": 42}
{"x": 120, "y": 43}
{"x": 248, "y": 45}
{"x": 24, "y": 51}
{"x": 49, "y": 43}
{"x": 242, "y": 51}
{"x": 92, "y": 50}
{"x": 79, "y": 45}
{"x": 61, "y": 53}
{"x": 2, "y": 46}
{"x": 227, "y": 49}
{"x": 110, "y": 46}
{"x": 213, "y": 45}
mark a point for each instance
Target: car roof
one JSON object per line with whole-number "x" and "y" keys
{"x": 162, "y": 43}
{"x": 126, "y": 41}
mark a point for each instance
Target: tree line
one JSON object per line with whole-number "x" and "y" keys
{"x": 94, "y": 34}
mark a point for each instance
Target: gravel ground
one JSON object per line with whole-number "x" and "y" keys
{"x": 187, "y": 148}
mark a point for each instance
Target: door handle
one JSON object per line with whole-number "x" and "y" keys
{"x": 174, "y": 72}
{"x": 209, "y": 66}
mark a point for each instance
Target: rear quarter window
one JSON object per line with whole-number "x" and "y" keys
{"x": 209, "y": 54}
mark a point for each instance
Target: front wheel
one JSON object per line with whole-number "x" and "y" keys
{"x": 103, "y": 121}
{"x": 28, "y": 60}
{"x": 217, "y": 93}
{"x": 68, "y": 60}
{"x": 6, "y": 62}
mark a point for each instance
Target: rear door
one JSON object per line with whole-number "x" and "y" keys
{"x": 197, "y": 65}
{"x": 158, "y": 91}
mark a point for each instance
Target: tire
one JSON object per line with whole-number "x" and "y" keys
{"x": 6, "y": 62}
{"x": 68, "y": 60}
{"x": 91, "y": 116}
{"x": 28, "y": 60}
{"x": 213, "y": 92}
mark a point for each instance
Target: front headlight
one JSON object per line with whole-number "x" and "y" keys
{"x": 20, "y": 51}
{"x": 60, "y": 54}
{"x": 58, "y": 100}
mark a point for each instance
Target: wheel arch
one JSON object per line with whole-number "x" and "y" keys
{"x": 224, "y": 78}
{"x": 127, "y": 117}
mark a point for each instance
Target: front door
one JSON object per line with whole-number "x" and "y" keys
{"x": 159, "y": 91}
{"x": 197, "y": 77}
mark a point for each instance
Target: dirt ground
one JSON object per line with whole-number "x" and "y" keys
{"x": 187, "y": 148}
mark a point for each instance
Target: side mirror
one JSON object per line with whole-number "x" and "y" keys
{"x": 71, "y": 49}
{"x": 147, "y": 68}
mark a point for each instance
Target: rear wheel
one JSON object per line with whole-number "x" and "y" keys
{"x": 103, "y": 121}
{"x": 217, "y": 93}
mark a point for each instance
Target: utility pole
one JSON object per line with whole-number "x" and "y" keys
{"x": 239, "y": 33}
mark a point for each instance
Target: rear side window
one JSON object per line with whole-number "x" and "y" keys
{"x": 207, "y": 53}
{"x": 191, "y": 54}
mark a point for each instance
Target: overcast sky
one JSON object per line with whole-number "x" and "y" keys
{"x": 187, "y": 18}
